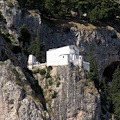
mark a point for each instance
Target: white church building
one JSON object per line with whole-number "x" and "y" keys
{"x": 60, "y": 57}
{"x": 63, "y": 56}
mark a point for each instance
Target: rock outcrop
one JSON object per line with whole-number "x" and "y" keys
{"x": 17, "y": 98}
{"x": 70, "y": 96}
{"x": 16, "y": 17}
{"x": 21, "y": 97}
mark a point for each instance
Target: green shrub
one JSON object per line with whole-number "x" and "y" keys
{"x": 46, "y": 86}
{"x": 85, "y": 83}
{"x": 36, "y": 71}
{"x": 18, "y": 80}
{"x": 10, "y": 4}
{"x": 6, "y": 36}
{"x": 58, "y": 84}
{"x": 17, "y": 6}
{"x": 2, "y": 18}
{"x": 54, "y": 95}
{"x": 48, "y": 75}
{"x": 42, "y": 71}
{"x": 50, "y": 82}
{"x": 24, "y": 35}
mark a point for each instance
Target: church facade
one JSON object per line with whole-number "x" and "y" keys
{"x": 64, "y": 56}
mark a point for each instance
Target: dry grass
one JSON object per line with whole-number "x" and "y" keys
{"x": 12, "y": 1}
{"x": 118, "y": 35}
{"x": 77, "y": 24}
{"x": 84, "y": 26}
{"x": 74, "y": 24}
{"x": 92, "y": 90}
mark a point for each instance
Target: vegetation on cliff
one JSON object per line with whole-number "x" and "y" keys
{"x": 93, "y": 74}
{"x": 115, "y": 92}
{"x": 24, "y": 35}
{"x": 110, "y": 87}
{"x": 36, "y": 48}
{"x": 111, "y": 94}
{"x": 91, "y": 10}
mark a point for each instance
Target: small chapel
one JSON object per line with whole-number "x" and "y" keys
{"x": 60, "y": 57}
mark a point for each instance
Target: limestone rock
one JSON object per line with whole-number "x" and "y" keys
{"x": 105, "y": 42}
{"x": 70, "y": 96}
{"x": 17, "y": 101}
{"x": 16, "y": 17}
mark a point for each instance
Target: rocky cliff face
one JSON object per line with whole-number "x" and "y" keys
{"x": 17, "y": 98}
{"x": 70, "y": 96}
{"x": 16, "y": 17}
{"x": 1, "y": 46}
{"x": 105, "y": 41}
{"x": 6, "y": 53}
{"x": 77, "y": 99}
{"x": 20, "y": 96}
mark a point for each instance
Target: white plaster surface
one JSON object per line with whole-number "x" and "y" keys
{"x": 62, "y": 56}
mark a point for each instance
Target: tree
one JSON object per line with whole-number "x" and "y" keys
{"x": 116, "y": 82}
{"x": 24, "y": 35}
{"x": 38, "y": 53}
{"x": 36, "y": 47}
{"x": 32, "y": 48}
{"x": 115, "y": 92}
{"x": 94, "y": 14}
{"x": 93, "y": 74}
{"x": 96, "y": 10}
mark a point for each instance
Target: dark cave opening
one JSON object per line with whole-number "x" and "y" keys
{"x": 105, "y": 86}
{"x": 109, "y": 70}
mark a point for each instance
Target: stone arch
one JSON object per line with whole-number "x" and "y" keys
{"x": 109, "y": 70}
{"x": 105, "y": 87}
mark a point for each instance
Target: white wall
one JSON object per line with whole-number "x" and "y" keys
{"x": 80, "y": 60}
{"x": 58, "y": 56}
{"x": 86, "y": 65}
{"x": 62, "y": 56}
{"x": 31, "y": 60}
{"x": 63, "y": 60}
